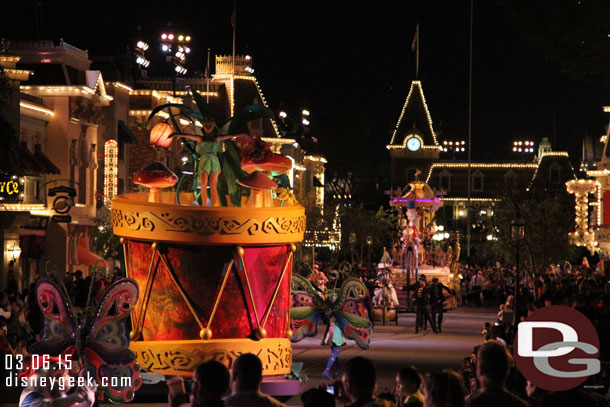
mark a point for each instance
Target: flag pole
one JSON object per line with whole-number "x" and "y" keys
{"x": 234, "y": 24}
{"x": 417, "y": 52}
{"x": 207, "y": 77}
{"x": 468, "y": 209}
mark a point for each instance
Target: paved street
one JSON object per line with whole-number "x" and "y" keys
{"x": 392, "y": 347}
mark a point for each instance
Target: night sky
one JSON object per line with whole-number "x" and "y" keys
{"x": 350, "y": 63}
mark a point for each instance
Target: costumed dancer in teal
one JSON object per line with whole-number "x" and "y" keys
{"x": 335, "y": 339}
{"x": 209, "y": 164}
{"x": 341, "y": 308}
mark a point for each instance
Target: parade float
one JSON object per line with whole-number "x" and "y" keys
{"x": 213, "y": 265}
{"x": 416, "y": 205}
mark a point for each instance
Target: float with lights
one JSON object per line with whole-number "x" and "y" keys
{"x": 416, "y": 205}
{"x": 214, "y": 280}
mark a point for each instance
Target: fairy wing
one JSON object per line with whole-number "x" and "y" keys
{"x": 58, "y": 329}
{"x": 351, "y": 314}
{"x": 115, "y": 305}
{"x": 107, "y": 346}
{"x": 306, "y": 310}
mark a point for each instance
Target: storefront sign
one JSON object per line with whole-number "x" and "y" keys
{"x": 11, "y": 189}
{"x": 62, "y": 218}
{"x": 111, "y": 171}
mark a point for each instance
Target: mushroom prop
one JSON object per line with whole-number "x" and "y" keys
{"x": 155, "y": 176}
{"x": 260, "y": 187}
{"x": 274, "y": 163}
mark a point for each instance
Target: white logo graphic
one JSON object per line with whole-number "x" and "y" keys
{"x": 568, "y": 344}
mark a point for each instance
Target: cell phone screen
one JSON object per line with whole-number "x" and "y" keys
{"x": 330, "y": 389}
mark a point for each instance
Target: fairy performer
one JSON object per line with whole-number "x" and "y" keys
{"x": 341, "y": 308}
{"x": 209, "y": 164}
{"x": 333, "y": 338}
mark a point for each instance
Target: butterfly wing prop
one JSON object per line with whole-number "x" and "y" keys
{"x": 351, "y": 314}
{"x": 107, "y": 345}
{"x": 306, "y": 310}
{"x": 58, "y": 332}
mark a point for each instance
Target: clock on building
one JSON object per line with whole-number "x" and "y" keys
{"x": 413, "y": 143}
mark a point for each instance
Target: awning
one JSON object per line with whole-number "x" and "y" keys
{"x": 125, "y": 134}
{"x": 37, "y": 163}
{"x": 42, "y": 158}
{"x": 28, "y": 161}
{"x": 85, "y": 256}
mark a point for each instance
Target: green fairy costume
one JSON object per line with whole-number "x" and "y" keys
{"x": 208, "y": 152}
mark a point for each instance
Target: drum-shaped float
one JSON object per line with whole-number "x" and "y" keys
{"x": 214, "y": 281}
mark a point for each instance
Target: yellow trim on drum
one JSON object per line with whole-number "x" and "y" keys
{"x": 134, "y": 217}
{"x": 181, "y": 357}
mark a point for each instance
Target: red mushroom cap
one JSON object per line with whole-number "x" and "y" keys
{"x": 275, "y": 163}
{"x": 155, "y": 175}
{"x": 257, "y": 180}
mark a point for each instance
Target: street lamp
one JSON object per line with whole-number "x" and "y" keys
{"x": 517, "y": 232}
{"x": 369, "y": 243}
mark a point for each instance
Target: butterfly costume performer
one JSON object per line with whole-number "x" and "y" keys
{"x": 341, "y": 309}
{"x": 95, "y": 337}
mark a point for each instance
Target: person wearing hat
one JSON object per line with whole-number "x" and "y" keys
{"x": 422, "y": 305}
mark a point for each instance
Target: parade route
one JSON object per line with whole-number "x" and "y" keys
{"x": 394, "y": 347}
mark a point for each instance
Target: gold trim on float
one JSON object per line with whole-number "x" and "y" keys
{"x": 182, "y": 357}
{"x": 133, "y": 217}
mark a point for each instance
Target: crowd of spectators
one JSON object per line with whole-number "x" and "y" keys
{"x": 488, "y": 379}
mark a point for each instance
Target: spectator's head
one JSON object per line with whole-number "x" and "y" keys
{"x": 443, "y": 389}
{"x": 247, "y": 373}
{"x": 435, "y": 280}
{"x": 78, "y": 274}
{"x": 317, "y": 398}
{"x": 210, "y": 381}
{"x": 359, "y": 379}
{"x": 408, "y": 381}
{"x": 467, "y": 362}
{"x": 3, "y": 326}
{"x": 493, "y": 364}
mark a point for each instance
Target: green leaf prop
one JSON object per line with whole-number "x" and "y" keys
{"x": 202, "y": 105}
{"x": 247, "y": 114}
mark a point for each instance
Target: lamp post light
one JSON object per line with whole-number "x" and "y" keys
{"x": 369, "y": 243}
{"x": 517, "y": 232}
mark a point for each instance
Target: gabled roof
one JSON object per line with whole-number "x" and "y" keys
{"x": 560, "y": 158}
{"x": 242, "y": 90}
{"x": 495, "y": 174}
{"x": 414, "y": 115}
